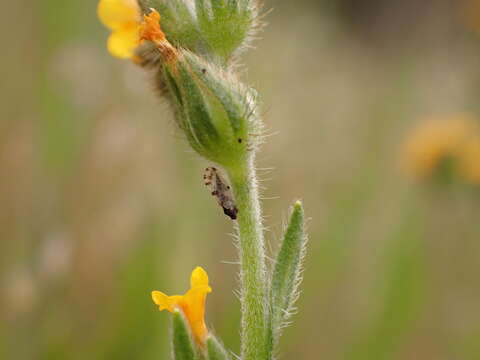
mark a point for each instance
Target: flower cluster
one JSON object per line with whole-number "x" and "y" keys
{"x": 446, "y": 148}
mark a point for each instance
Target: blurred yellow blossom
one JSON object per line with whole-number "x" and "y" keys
{"x": 470, "y": 14}
{"x": 436, "y": 141}
{"x": 470, "y": 160}
{"x": 192, "y": 304}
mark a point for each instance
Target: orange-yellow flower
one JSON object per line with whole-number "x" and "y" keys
{"x": 470, "y": 160}
{"x": 150, "y": 29}
{"x": 456, "y": 139}
{"x": 123, "y": 17}
{"x": 129, "y": 29}
{"x": 470, "y": 14}
{"x": 192, "y": 304}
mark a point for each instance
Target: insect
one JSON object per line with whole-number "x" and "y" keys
{"x": 221, "y": 190}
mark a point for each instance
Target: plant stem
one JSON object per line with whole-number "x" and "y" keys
{"x": 252, "y": 260}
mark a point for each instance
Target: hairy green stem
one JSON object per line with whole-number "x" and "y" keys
{"x": 252, "y": 259}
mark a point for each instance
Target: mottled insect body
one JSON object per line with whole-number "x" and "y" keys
{"x": 221, "y": 190}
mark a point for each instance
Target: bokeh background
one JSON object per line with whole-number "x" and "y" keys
{"x": 102, "y": 202}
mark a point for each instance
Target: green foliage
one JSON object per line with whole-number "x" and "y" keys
{"x": 212, "y": 108}
{"x": 214, "y": 29}
{"x": 183, "y": 345}
{"x": 179, "y": 24}
{"x": 286, "y": 274}
{"x": 225, "y": 24}
{"x": 215, "y": 350}
{"x": 217, "y": 114}
{"x": 56, "y": 158}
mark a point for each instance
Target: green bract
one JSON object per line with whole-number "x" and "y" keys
{"x": 213, "y": 109}
{"x": 182, "y": 342}
{"x": 215, "y": 350}
{"x": 286, "y": 274}
{"x": 179, "y": 23}
{"x": 214, "y": 29}
{"x": 225, "y": 25}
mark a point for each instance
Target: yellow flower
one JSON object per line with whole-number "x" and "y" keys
{"x": 470, "y": 14}
{"x": 455, "y": 138}
{"x": 129, "y": 30}
{"x": 470, "y": 160}
{"x": 192, "y": 304}
{"x": 123, "y": 17}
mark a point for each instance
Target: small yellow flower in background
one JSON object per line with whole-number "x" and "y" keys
{"x": 470, "y": 160}
{"x": 192, "y": 304}
{"x": 123, "y": 17}
{"x": 470, "y": 14}
{"x": 436, "y": 140}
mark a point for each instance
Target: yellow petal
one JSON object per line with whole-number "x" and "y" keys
{"x": 166, "y": 302}
{"x": 199, "y": 278}
{"x": 434, "y": 140}
{"x": 192, "y": 304}
{"x": 116, "y": 14}
{"x": 122, "y": 43}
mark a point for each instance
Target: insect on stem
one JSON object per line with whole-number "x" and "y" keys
{"x": 221, "y": 190}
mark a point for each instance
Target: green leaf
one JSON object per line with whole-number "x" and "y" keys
{"x": 215, "y": 350}
{"x": 225, "y": 25}
{"x": 179, "y": 24}
{"x": 183, "y": 346}
{"x": 214, "y": 110}
{"x": 286, "y": 275}
{"x": 199, "y": 112}
{"x": 234, "y": 97}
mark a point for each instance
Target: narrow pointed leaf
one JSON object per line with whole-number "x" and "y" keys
{"x": 179, "y": 23}
{"x": 215, "y": 350}
{"x": 287, "y": 271}
{"x": 183, "y": 346}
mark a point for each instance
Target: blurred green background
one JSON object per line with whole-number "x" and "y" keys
{"x": 102, "y": 202}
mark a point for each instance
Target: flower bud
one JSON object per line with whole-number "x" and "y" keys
{"x": 178, "y": 21}
{"x": 214, "y": 29}
{"x": 226, "y": 25}
{"x": 213, "y": 109}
